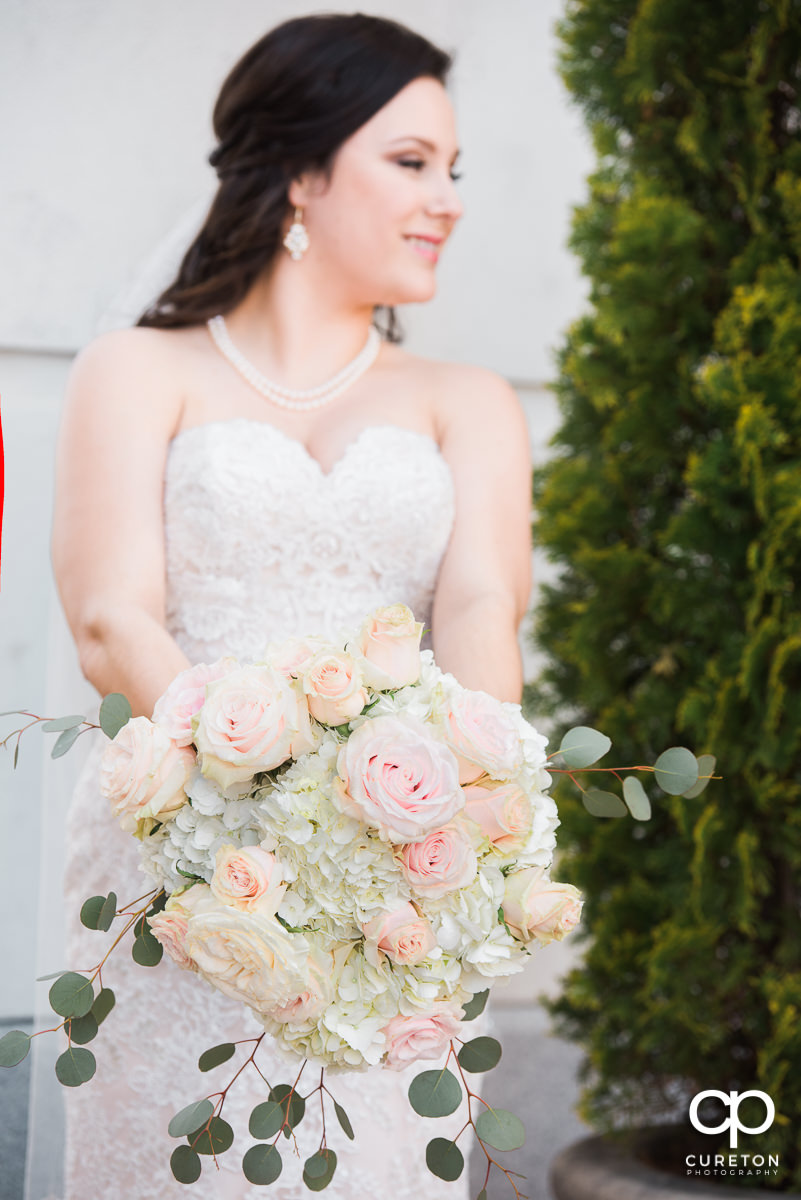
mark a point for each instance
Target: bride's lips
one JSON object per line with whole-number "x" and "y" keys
{"x": 425, "y": 244}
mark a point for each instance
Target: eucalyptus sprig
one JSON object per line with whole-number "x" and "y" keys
{"x": 676, "y": 771}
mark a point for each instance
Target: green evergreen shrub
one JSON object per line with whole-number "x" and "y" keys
{"x": 672, "y": 506}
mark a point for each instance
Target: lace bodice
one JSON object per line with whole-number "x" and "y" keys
{"x": 262, "y": 543}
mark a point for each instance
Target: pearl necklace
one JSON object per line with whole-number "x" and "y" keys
{"x": 299, "y": 400}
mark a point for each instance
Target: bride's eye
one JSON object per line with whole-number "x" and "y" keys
{"x": 417, "y": 163}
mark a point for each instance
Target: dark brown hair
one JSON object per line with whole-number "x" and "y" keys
{"x": 286, "y": 107}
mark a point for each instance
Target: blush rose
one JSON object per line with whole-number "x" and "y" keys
{"x": 143, "y": 773}
{"x": 389, "y": 645}
{"x": 403, "y": 935}
{"x": 248, "y": 878}
{"x": 396, "y": 778}
{"x": 442, "y": 862}
{"x": 535, "y": 907}
{"x": 411, "y": 1038}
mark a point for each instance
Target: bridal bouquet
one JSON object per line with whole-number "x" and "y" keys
{"x": 355, "y": 846}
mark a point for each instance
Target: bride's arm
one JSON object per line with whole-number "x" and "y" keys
{"x": 108, "y": 539}
{"x": 485, "y": 579}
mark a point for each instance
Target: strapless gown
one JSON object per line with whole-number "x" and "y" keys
{"x": 261, "y": 543}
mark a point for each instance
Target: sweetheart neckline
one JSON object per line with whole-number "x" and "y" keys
{"x": 302, "y": 449}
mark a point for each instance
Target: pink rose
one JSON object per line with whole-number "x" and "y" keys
{"x": 290, "y": 656}
{"x": 483, "y": 735}
{"x": 248, "y": 878}
{"x": 536, "y": 907}
{"x": 389, "y": 643}
{"x": 504, "y": 813}
{"x": 413, "y": 1038}
{"x": 170, "y": 925}
{"x": 253, "y": 720}
{"x": 334, "y": 688}
{"x": 398, "y": 779}
{"x": 444, "y": 861}
{"x": 315, "y": 997}
{"x": 184, "y": 697}
{"x": 143, "y": 773}
{"x": 403, "y": 935}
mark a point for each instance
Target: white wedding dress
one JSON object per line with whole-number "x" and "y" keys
{"x": 261, "y": 543}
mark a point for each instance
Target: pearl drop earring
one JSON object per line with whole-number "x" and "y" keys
{"x": 297, "y": 239}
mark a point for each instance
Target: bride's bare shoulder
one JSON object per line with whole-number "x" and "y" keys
{"x": 122, "y": 371}
{"x": 463, "y": 396}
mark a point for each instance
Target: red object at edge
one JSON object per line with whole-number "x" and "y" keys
{"x": 2, "y": 487}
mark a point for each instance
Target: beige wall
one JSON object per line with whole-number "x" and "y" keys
{"x": 105, "y": 131}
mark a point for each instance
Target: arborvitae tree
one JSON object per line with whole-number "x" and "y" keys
{"x": 672, "y": 505}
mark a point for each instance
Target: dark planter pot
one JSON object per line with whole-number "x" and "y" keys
{"x": 629, "y": 1166}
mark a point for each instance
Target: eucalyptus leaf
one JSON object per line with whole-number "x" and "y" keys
{"x": 603, "y": 804}
{"x": 266, "y": 1119}
{"x": 91, "y": 910}
{"x": 64, "y": 740}
{"x": 115, "y": 711}
{"x": 706, "y": 768}
{"x": 58, "y": 723}
{"x": 500, "y": 1129}
{"x": 215, "y": 1138}
{"x": 104, "y": 1002}
{"x": 52, "y": 975}
{"x": 482, "y": 1195}
{"x": 480, "y": 1054}
{"x": 190, "y": 1118}
{"x": 475, "y": 1006}
{"x": 583, "y": 746}
{"x": 212, "y": 1058}
{"x": 435, "y": 1093}
{"x": 444, "y": 1159}
{"x": 262, "y": 1164}
{"x": 676, "y": 770}
{"x": 14, "y": 1046}
{"x": 82, "y": 1029}
{"x": 16, "y": 756}
{"x": 185, "y": 1164}
{"x": 75, "y": 1066}
{"x": 344, "y": 1120}
{"x": 71, "y": 995}
{"x": 316, "y": 1182}
{"x": 108, "y": 912}
{"x": 293, "y": 1104}
{"x": 636, "y": 798}
{"x": 147, "y": 951}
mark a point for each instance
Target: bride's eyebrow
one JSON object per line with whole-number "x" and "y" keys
{"x": 423, "y": 142}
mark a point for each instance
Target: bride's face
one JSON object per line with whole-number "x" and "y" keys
{"x": 391, "y": 181}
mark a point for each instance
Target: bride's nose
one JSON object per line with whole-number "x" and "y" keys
{"x": 445, "y": 202}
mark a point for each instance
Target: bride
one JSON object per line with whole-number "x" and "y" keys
{"x": 254, "y": 460}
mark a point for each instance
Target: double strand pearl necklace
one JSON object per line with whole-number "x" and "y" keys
{"x": 298, "y": 400}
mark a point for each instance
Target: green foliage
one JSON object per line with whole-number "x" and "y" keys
{"x": 475, "y": 1006}
{"x": 444, "y": 1159}
{"x": 672, "y": 508}
{"x": 318, "y": 1170}
{"x": 435, "y": 1093}
{"x": 14, "y": 1046}
{"x": 262, "y": 1164}
{"x": 185, "y": 1164}
{"x": 480, "y": 1054}
{"x": 72, "y": 995}
{"x": 212, "y": 1058}
{"x": 500, "y": 1129}
{"x": 115, "y": 711}
{"x": 75, "y": 1066}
